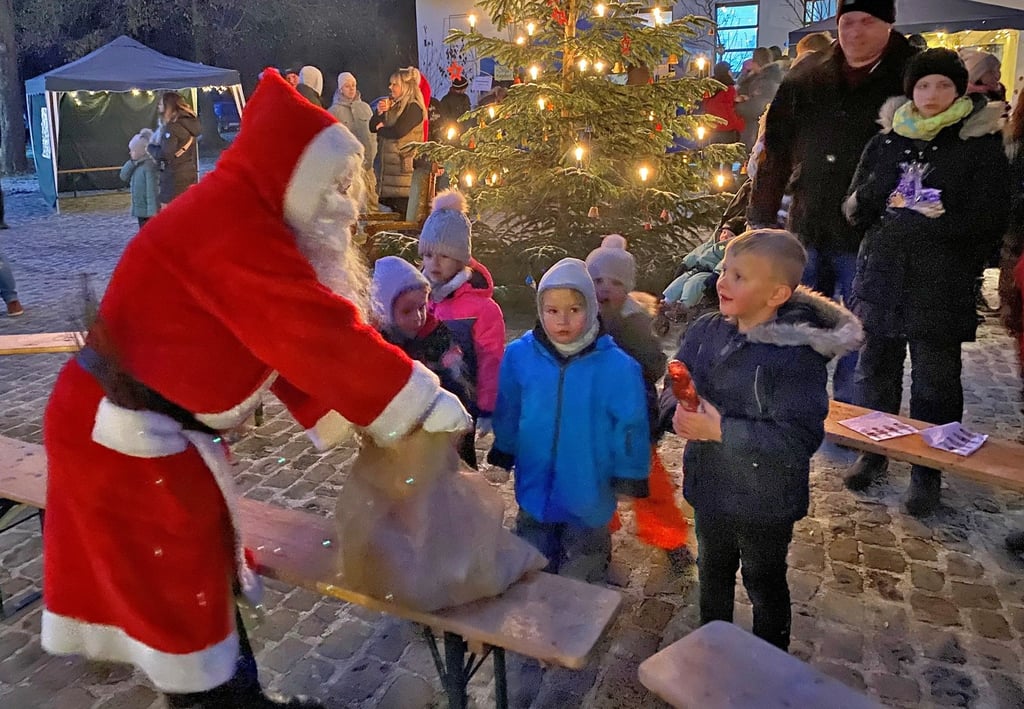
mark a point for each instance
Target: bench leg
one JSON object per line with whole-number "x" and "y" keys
{"x": 455, "y": 669}
{"x": 500, "y": 678}
{"x": 455, "y": 677}
{"x": 31, "y": 597}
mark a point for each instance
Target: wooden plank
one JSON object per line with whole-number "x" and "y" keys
{"x": 40, "y": 343}
{"x": 721, "y": 666}
{"x": 998, "y": 462}
{"x": 551, "y": 618}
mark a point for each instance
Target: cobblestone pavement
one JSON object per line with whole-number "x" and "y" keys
{"x": 915, "y": 614}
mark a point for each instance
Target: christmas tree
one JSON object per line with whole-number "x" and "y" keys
{"x": 570, "y": 154}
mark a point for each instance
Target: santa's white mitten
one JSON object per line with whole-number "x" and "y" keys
{"x": 447, "y": 415}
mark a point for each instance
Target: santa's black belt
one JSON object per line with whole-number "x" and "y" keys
{"x": 127, "y": 392}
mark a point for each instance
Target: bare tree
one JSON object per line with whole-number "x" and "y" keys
{"x": 12, "y": 103}
{"x": 807, "y": 12}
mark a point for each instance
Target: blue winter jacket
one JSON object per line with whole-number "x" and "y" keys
{"x": 575, "y": 428}
{"x": 770, "y": 386}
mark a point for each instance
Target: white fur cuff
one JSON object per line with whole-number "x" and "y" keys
{"x": 408, "y": 408}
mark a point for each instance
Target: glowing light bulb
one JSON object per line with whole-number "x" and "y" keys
{"x": 534, "y": 72}
{"x": 490, "y": 111}
{"x": 645, "y": 172}
{"x": 494, "y": 178}
{"x": 599, "y": 9}
{"x": 472, "y": 20}
{"x": 701, "y": 132}
{"x": 656, "y": 15}
{"x": 531, "y": 28}
{"x": 701, "y": 63}
{"x": 599, "y": 66}
{"x": 451, "y": 132}
{"x": 542, "y": 103}
{"x": 582, "y": 64}
{"x": 468, "y": 179}
{"x": 720, "y": 180}
{"x": 135, "y": 92}
{"x": 520, "y": 40}
{"x": 579, "y": 153}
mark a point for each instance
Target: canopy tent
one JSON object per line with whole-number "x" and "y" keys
{"x": 934, "y": 16}
{"x": 82, "y": 115}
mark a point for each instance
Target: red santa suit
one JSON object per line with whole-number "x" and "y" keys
{"x": 212, "y": 303}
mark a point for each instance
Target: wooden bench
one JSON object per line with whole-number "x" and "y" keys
{"x": 998, "y": 462}
{"x": 40, "y": 343}
{"x": 551, "y": 618}
{"x": 721, "y": 666}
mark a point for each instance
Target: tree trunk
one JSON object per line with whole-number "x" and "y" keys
{"x": 12, "y": 99}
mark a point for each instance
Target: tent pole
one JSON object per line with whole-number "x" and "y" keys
{"x": 53, "y": 112}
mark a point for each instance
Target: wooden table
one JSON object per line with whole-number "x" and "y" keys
{"x": 40, "y": 343}
{"x": 721, "y": 666}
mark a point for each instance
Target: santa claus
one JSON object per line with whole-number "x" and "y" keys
{"x": 244, "y": 283}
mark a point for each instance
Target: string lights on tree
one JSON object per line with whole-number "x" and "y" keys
{"x": 579, "y": 153}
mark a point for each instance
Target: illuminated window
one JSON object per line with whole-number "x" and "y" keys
{"x": 737, "y": 32}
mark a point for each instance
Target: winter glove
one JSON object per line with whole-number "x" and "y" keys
{"x": 447, "y": 415}
{"x": 484, "y": 427}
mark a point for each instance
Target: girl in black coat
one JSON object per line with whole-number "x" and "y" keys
{"x": 932, "y": 194}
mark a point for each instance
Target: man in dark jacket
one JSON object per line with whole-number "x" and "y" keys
{"x": 817, "y": 126}
{"x": 455, "y": 103}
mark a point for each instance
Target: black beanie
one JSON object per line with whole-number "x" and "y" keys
{"x": 884, "y": 10}
{"x": 935, "y": 61}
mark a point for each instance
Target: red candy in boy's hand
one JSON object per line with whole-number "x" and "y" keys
{"x": 682, "y": 385}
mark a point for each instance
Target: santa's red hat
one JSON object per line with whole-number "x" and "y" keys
{"x": 290, "y": 149}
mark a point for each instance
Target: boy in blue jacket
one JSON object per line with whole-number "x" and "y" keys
{"x": 571, "y": 418}
{"x": 759, "y": 368}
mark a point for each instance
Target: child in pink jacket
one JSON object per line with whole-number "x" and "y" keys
{"x": 462, "y": 296}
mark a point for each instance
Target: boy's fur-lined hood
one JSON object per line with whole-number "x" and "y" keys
{"x": 809, "y": 318}
{"x": 987, "y": 117}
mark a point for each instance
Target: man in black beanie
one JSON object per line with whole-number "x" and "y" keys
{"x": 817, "y": 126}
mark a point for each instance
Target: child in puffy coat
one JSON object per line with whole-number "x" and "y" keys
{"x": 659, "y": 521}
{"x": 462, "y": 297}
{"x": 141, "y": 173}
{"x": 400, "y": 295}
{"x": 571, "y": 419}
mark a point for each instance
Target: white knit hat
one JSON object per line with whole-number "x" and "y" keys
{"x": 140, "y": 140}
{"x": 393, "y": 276}
{"x": 570, "y": 273}
{"x": 611, "y": 260}
{"x": 447, "y": 230}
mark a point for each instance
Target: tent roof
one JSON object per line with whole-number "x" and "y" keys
{"x": 123, "y": 65}
{"x": 932, "y": 15}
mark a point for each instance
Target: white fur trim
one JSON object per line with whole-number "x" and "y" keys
{"x": 223, "y": 420}
{"x": 330, "y": 430}
{"x": 332, "y": 155}
{"x": 178, "y": 674}
{"x": 140, "y": 434}
{"x": 408, "y": 408}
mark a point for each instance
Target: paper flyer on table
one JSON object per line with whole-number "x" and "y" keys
{"x": 953, "y": 437}
{"x": 879, "y": 426}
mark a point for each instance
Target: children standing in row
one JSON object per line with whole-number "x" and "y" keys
{"x": 571, "y": 419}
{"x": 658, "y": 519}
{"x": 759, "y": 368}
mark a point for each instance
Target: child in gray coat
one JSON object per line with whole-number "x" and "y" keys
{"x": 140, "y": 172}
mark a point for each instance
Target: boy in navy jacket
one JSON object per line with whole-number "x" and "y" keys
{"x": 759, "y": 368}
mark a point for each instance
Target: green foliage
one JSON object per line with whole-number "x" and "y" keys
{"x": 517, "y": 160}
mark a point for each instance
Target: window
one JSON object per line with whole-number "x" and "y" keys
{"x": 737, "y": 33}
{"x": 818, "y": 10}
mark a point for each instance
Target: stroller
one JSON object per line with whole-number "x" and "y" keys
{"x": 692, "y": 292}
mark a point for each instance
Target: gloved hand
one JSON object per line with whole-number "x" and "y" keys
{"x": 447, "y": 415}
{"x": 484, "y": 427}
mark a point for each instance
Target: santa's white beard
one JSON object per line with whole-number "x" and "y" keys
{"x": 327, "y": 245}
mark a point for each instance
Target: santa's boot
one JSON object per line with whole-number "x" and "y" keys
{"x": 865, "y": 470}
{"x": 923, "y": 495}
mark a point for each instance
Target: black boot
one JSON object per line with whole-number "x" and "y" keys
{"x": 1015, "y": 542}
{"x": 865, "y": 470}
{"x": 923, "y": 495}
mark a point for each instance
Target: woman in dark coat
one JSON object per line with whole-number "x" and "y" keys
{"x": 175, "y": 146}
{"x": 932, "y": 193}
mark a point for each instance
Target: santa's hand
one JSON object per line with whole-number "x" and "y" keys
{"x": 447, "y": 415}
{"x": 484, "y": 427}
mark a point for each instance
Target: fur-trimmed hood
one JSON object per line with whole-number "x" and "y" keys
{"x": 811, "y": 319}
{"x": 987, "y": 117}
